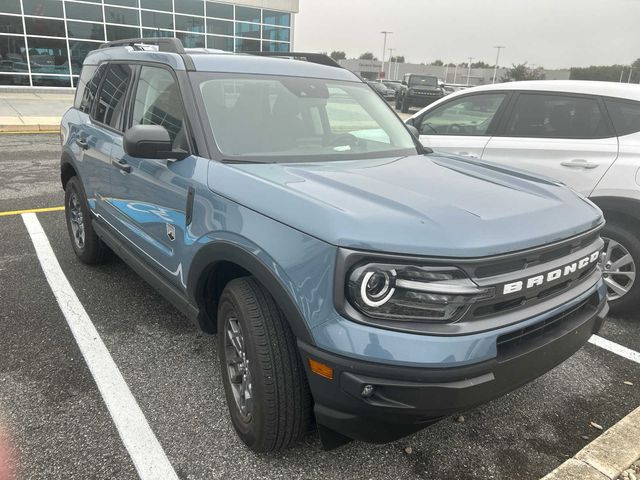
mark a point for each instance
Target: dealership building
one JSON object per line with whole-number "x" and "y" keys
{"x": 43, "y": 42}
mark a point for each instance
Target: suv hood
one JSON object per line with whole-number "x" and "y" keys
{"x": 431, "y": 205}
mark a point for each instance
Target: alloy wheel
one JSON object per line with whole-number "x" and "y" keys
{"x": 77, "y": 220}
{"x": 619, "y": 269}
{"x": 238, "y": 368}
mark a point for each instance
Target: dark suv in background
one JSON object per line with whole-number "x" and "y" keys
{"x": 418, "y": 91}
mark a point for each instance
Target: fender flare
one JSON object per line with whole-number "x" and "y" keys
{"x": 210, "y": 255}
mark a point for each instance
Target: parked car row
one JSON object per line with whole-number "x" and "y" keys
{"x": 583, "y": 134}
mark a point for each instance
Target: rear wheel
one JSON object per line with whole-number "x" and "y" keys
{"x": 264, "y": 380}
{"x": 620, "y": 263}
{"x": 84, "y": 240}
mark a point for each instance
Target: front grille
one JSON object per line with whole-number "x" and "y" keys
{"x": 526, "y": 338}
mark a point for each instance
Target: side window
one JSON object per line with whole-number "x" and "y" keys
{"x": 112, "y": 96}
{"x": 467, "y": 115}
{"x": 158, "y": 102}
{"x": 556, "y": 116}
{"x": 88, "y": 86}
{"x": 625, "y": 115}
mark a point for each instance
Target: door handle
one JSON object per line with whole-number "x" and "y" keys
{"x": 121, "y": 165}
{"x": 579, "y": 163}
{"x": 82, "y": 143}
{"x": 467, "y": 154}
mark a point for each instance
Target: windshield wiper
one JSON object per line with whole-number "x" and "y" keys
{"x": 241, "y": 161}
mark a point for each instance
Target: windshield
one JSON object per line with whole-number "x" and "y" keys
{"x": 423, "y": 81}
{"x": 289, "y": 119}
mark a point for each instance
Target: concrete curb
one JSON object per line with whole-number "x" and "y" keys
{"x": 607, "y": 456}
{"x": 33, "y": 128}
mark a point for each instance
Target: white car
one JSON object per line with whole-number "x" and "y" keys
{"x": 584, "y": 134}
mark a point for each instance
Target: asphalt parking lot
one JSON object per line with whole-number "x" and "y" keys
{"x": 61, "y": 427}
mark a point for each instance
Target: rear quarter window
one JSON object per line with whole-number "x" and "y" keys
{"x": 88, "y": 86}
{"x": 625, "y": 115}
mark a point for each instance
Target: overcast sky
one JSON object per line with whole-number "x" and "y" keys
{"x": 549, "y": 33}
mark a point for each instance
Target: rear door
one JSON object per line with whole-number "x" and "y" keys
{"x": 566, "y": 137}
{"x": 462, "y": 125}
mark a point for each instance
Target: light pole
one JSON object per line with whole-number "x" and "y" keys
{"x": 469, "y": 72}
{"x": 390, "y": 57}
{"x": 495, "y": 68}
{"x": 384, "y": 48}
{"x": 455, "y": 74}
{"x": 621, "y": 74}
{"x": 630, "y": 70}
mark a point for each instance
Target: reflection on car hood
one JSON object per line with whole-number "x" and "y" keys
{"x": 422, "y": 205}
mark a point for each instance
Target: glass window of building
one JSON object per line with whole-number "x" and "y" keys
{"x": 276, "y": 18}
{"x": 124, "y": 3}
{"x": 84, "y": 11}
{"x": 43, "y": 8}
{"x": 10, "y": 24}
{"x": 163, "y": 5}
{"x": 48, "y": 55}
{"x": 219, "y": 27}
{"x": 148, "y": 33}
{"x": 220, "y": 43}
{"x": 157, "y": 20}
{"x": 10, "y": 6}
{"x": 247, "y": 45}
{"x": 220, "y": 10}
{"x": 191, "y": 40}
{"x": 189, "y": 24}
{"x": 13, "y": 55}
{"x": 275, "y": 33}
{"x": 275, "y": 47}
{"x": 50, "y": 81}
{"x": 14, "y": 80}
{"x": 247, "y": 30}
{"x": 190, "y": 7}
{"x": 247, "y": 14}
{"x": 123, "y": 16}
{"x": 117, "y": 32}
{"x": 88, "y": 31}
{"x": 44, "y": 26}
{"x": 78, "y": 51}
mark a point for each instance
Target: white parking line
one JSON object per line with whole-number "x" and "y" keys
{"x": 146, "y": 452}
{"x": 615, "y": 348}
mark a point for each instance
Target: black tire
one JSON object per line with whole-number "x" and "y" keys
{"x": 405, "y": 105}
{"x": 628, "y": 238}
{"x": 281, "y": 408}
{"x": 398, "y": 102}
{"x": 91, "y": 250}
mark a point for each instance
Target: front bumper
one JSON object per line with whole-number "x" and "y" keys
{"x": 423, "y": 100}
{"x": 406, "y": 399}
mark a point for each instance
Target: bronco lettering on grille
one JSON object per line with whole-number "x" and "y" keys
{"x": 551, "y": 276}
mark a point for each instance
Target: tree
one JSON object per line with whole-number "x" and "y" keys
{"x": 607, "y": 73}
{"x": 521, "y": 72}
{"x": 367, "y": 56}
{"x": 437, "y": 63}
{"x": 398, "y": 59}
{"x": 338, "y": 55}
{"x": 481, "y": 64}
{"x": 451, "y": 64}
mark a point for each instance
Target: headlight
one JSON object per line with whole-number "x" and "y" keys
{"x": 412, "y": 292}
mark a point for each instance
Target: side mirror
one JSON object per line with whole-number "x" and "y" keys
{"x": 151, "y": 142}
{"x": 411, "y": 122}
{"x": 414, "y": 131}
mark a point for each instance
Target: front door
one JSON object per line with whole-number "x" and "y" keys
{"x": 561, "y": 136}
{"x": 150, "y": 196}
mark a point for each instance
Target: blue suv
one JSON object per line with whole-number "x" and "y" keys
{"x": 356, "y": 280}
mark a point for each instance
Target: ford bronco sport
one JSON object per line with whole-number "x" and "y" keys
{"x": 418, "y": 91}
{"x": 354, "y": 278}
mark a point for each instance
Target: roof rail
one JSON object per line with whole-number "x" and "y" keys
{"x": 319, "y": 58}
{"x": 164, "y": 44}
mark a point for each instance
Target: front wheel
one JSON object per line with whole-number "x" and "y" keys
{"x": 264, "y": 380}
{"x": 405, "y": 105}
{"x": 620, "y": 263}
